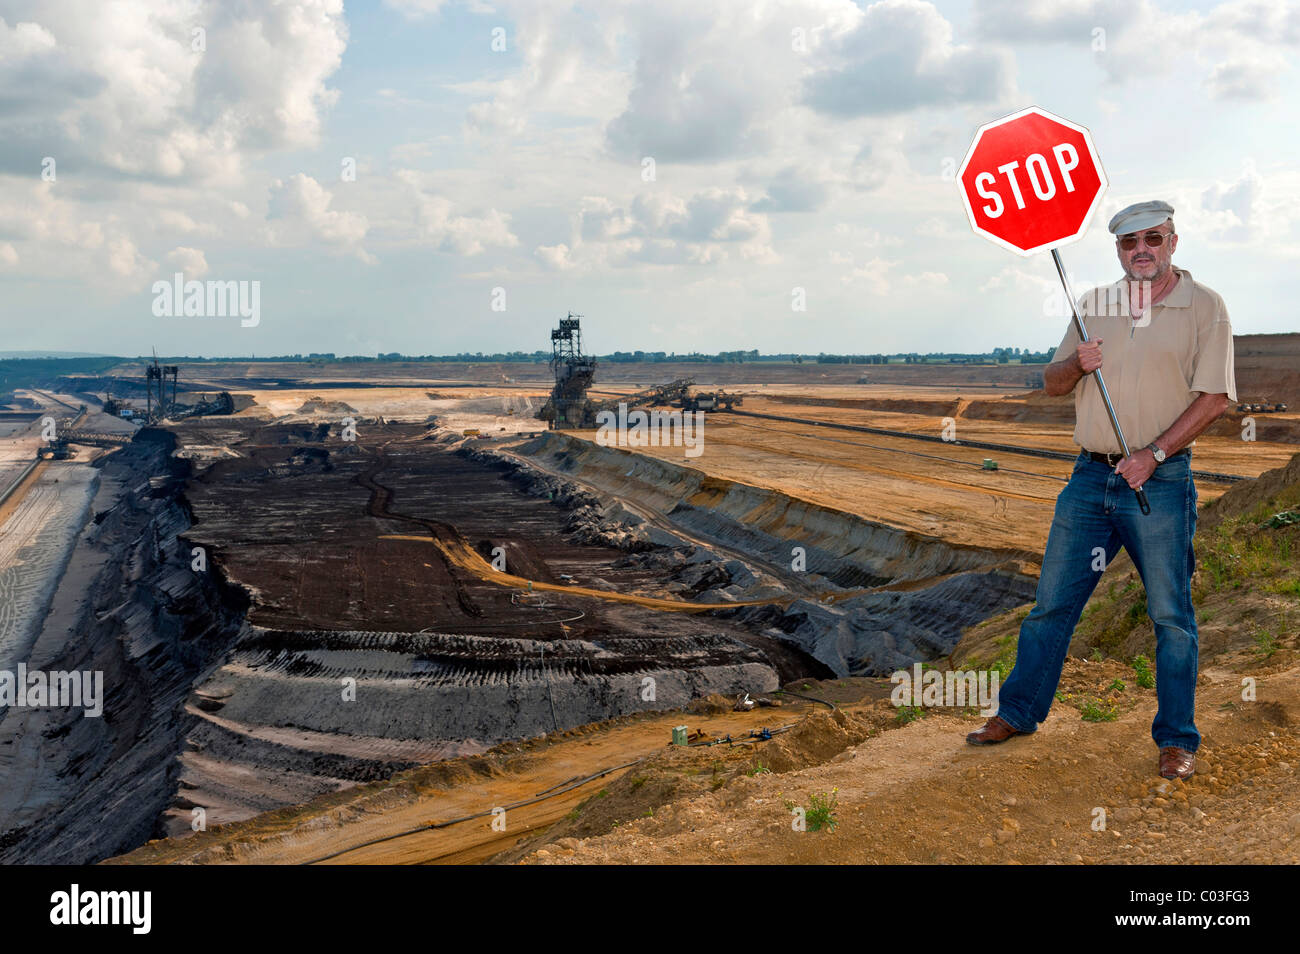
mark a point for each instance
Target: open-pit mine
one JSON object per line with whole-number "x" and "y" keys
{"x": 332, "y": 602}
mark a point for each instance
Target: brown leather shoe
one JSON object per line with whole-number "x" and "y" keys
{"x": 994, "y": 731}
{"x": 1176, "y": 762}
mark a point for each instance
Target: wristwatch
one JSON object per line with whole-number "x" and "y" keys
{"x": 1156, "y": 452}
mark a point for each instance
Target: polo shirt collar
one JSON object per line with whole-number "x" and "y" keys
{"x": 1180, "y": 297}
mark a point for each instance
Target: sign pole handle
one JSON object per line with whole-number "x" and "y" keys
{"x": 1101, "y": 383}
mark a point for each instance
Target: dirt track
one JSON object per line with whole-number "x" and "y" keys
{"x": 460, "y": 555}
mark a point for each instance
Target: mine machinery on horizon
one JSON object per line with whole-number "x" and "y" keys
{"x": 158, "y": 407}
{"x": 160, "y": 373}
{"x": 710, "y": 401}
{"x": 569, "y": 408}
{"x": 574, "y": 371}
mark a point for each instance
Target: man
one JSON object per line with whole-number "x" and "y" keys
{"x": 1165, "y": 343}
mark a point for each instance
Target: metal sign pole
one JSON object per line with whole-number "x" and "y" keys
{"x": 1101, "y": 383}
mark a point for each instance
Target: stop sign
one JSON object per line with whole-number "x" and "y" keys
{"x": 1031, "y": 181}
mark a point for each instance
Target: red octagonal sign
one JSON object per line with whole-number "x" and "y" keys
{"x": 1031, "y": 181}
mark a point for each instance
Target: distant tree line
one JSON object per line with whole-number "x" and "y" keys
{"x": 996, "y": 356}
{"x": 30, "y": 372}
{"x": 28, "y": 367}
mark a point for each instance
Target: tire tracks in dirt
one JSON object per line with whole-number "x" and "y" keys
{"x": 380, "y": 505}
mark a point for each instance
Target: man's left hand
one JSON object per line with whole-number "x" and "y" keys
{"x": 1137, "y": 468}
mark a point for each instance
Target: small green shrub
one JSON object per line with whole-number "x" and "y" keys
{"x": 820, "y": 812}
{"x": 1094, "y": 710}
{"x": 1265, "y": 644}
{"x": 908, "y": 714}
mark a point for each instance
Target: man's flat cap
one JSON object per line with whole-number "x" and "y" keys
{"x": 1140, "y": 216}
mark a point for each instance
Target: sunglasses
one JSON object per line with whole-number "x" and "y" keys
{"x": 1153, "y": 239}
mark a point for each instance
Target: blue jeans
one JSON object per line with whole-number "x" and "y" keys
{"x": 1098, "y": 512}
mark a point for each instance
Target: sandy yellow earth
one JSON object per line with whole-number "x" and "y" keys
{"x": 937, "y": 489}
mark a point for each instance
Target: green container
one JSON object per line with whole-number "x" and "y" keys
{"x": 679, "y": 735}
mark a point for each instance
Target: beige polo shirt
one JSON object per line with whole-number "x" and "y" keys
{"x": 1154, "y": 366}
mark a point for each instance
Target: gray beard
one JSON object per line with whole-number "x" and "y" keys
{"x": 1160, "y": 273}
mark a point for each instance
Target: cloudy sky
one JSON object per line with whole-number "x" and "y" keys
{"x": 433, "y": 176}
